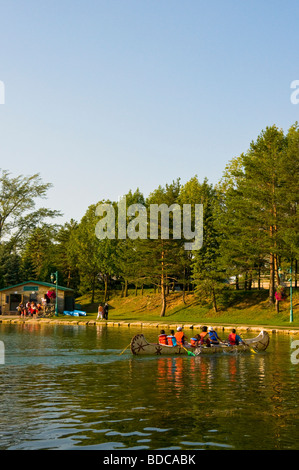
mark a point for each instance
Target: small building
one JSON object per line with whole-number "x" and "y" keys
{"x": 34, "y": 291}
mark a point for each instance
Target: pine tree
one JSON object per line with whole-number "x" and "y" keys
{"x": 157, "y": 258}
{"x": 65, "y": 255}
{"x": 259, "y": 209}
{"x": 95, "y": 258}
{"x": 208, "y": 273}
{"x": 126, "y": 266}
{"x": 38, "y": 256}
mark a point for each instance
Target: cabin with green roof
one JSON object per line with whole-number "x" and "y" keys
{"x": 34, "y": 291}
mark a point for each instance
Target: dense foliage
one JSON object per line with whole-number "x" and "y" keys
{"x": 250, "y": 227}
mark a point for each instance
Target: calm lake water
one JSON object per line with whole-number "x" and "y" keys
{"x": 68, "y": 387}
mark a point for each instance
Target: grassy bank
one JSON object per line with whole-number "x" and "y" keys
{"x": 242, "y": 307}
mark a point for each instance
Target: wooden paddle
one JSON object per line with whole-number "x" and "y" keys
{"x": 125, "y": 349}
{"x": 250, "y": 347}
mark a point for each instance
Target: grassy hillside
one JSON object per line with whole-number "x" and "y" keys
{"x": 239, "y": 307}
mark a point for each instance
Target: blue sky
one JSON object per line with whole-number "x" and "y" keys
{"x": 103, "y": 96}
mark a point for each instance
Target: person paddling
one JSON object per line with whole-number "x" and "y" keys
{"x": 195, "y": 341}
{"x": 171, "y": 340}
{"x": 204, "y": 337}
{"x": 180, "y": 337}
{"x": 213, "y": 335}
{"x": 234, "y": 339}
{"x": 162, "y": 337}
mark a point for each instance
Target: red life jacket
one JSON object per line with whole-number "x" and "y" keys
{"x": 163, "y": 339}
{"x": 232, "y": 339}
{"x": 179, "y": 336}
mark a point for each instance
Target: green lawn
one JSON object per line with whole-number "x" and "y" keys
{"x": 241, "y": 307}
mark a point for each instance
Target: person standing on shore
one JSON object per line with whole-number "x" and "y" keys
{"x": 106, "y": 306}
{"x": 101, "y": 312}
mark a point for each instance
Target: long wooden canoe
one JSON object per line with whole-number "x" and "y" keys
{"x": 140, "y": 346}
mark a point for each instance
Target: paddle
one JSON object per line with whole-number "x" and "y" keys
{"x": 190, "y": 353}
{"x": 125, "y": 349}
{"x": 250, "y": 347}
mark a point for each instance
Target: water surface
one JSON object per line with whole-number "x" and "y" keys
{"x": 68, "y": 387}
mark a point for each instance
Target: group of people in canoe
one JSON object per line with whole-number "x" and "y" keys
{"x": 207, "y": 337}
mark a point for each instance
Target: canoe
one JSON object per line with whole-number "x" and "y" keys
{"x": 74, "y": 313}
{"x": 140, "y": 346}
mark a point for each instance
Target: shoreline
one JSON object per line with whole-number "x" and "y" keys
{"x": 112, "y": 323}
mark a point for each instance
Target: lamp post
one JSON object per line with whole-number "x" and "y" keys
{"x": 291, "y": 297}
{"x": 54, "y": 279}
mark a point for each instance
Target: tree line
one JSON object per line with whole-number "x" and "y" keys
{"x": 250, "y": 231}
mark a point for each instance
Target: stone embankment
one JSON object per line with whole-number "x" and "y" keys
{"x": 141, "y": 325}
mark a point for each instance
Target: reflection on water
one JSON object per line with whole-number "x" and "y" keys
{"x": 68, "y": 387}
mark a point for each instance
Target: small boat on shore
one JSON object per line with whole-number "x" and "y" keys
{"x": 74, "y": 313}
{"x": 140, "y": 346}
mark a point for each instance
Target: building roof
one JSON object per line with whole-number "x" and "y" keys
{"x": 40, "y": 283}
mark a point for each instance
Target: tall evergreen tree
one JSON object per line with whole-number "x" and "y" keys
{"x": 95, "y": 258}
{"x": 158, "y": 256}
{"x": 260, "y": 201}
{"x": 38, "y": 256}
{"x": 66, "y": 255}
{"x": 207, "y": 271}
{"x": 126, "y": 254}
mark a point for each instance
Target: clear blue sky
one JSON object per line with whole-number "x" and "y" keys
{"x": 103, "y": 96}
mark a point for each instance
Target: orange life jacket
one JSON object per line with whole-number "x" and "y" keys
{"x": 194, "y": 342}
{"x": 203, "y": 338}
{"x": 163, "y": 339}
{"x": 171, "y": 341}
{"x": 179, "y": 336}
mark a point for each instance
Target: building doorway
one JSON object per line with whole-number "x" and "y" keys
{"x": 14, "y": 302}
